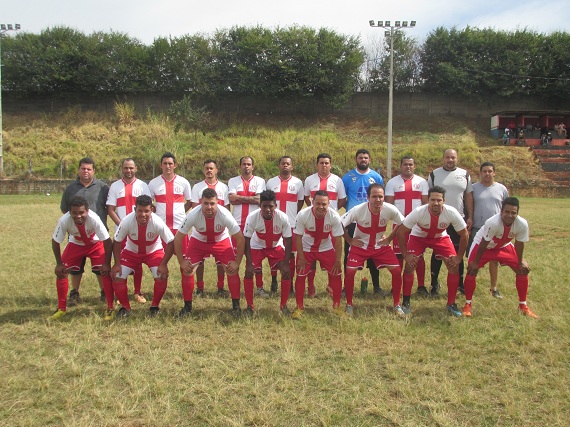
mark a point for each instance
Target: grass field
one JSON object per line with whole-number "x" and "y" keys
{"x": 497, "y": 368}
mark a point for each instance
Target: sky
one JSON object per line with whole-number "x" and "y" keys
{"x": 147, "y": 20}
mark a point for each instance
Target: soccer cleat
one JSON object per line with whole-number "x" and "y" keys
{"x": 495, "y": 293}
{"x": 406, "y": 307}
{"x": 454, "y": 310}
{"x": 311, "y": 291}
{"x": 339, "y": 311}
{"x": 399, "y": 311}
{"x": 248, "y": 311}
{"x": 154, "y": 311}
{"x": 297, "y": 313}
{"x": 349, "y": 311}
{"x": 467, "y": 310}
{"x": 123, "y": 313}
{"x": 57, "y": 315}
{"x": 222, "y": 293}
{"x": 102, "y": 297}
{"x": 434, "y": 291}
{"x": 109, "y": 315}
{"x": 380, "y": 292}
{"x": 260, "y": 292}
{"x": 200, "y": 293}
{"x": 185, "y": 312}
{"x": 236, "y": 312}
{"x": 140, "y": 298}
{"x": 527, "y": 311}
{"x": 422, "y": 292}
{"x": 284, "y": 311}
{"x": 74, "y": 298}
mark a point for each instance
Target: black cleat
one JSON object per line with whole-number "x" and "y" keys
{"x": 74, "y": 298}
{"x": 434, "y": 289}
{"x": 422, "y": 292}
{"x": 154, "y": 311}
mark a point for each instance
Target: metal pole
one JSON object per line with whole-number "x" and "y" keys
{"x": 1, "y": 152}
{"x": 390, "y": 107}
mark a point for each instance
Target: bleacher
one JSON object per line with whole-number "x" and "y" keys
{"x": 555, "y": 162}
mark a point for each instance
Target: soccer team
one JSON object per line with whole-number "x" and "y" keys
{"x": 383, "y": 227}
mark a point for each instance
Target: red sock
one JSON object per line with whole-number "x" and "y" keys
{"x": 62, "y": 285}
{"x": 248, "y": 290}
{"x": 120, "y": 288}
{"x": 220, "y": 282}
{"x": 137, "y": 278}
{"x": 421, "y": 272}
{"x": 452, "y": 286}
{"x": 200, "y": 285}
{"x": 234, "y": 285}
{"x": 349, "y": 274}
{"x": 108, "y": 288}
{"x": 159, "y": 290}
{"x": 469, "y": 286}
{"x": 522, "y": 287}
{"x": 408, "y": 284}
{"x": 335, "y": 282}
{"x": 285, "y": 289}
{"x": 396, "y": 284}
{"x": 187, "y": 287}
{"x": 311, "y": 277}
{"x": 259, "y": 280}
{"x": 300, "y": 291}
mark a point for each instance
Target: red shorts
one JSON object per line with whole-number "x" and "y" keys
{"x": 383, "y": 257}
{"x": 184, "y": 241}
{"x": 131, "y": 260}
{"x": 74, "y": 254}
{"x": 442, "y": 246}
{"x": 506, "y": 255}
{"x": 273, "y": 255}
{"x": 222, "y": 251}
{"x": 326, "y": 260}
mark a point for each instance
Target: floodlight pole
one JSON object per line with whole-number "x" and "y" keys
{"x": 393, "y": 28}
{"x": 4, "y": 28}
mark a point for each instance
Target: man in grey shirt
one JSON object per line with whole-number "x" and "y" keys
{"x": 459, "y": 194}
{"x": 488, "y": 197}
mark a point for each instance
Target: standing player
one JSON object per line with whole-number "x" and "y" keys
{"x": 369, "y": 242}
{"x": 121, "y": 202}
{"x": 267, "y": 235}
{"x": 172, "y": 194}
{"x": 289, "y": 194}
{"x": 88, "y": 238}
{"x": 313, "y": 230}
{"x": 356, "y": 183}
{"x": 408, "y": 191}
{"x": 459, "y": 190}
{"x": 493, "y": 242}
{"x": 211, "y": 226}
{"x": 221, "y": 189}
{"x": 428, "y": 225}
{"x": 488, "y": 197}
{"x": 143, "y": 231}
{"x": 95, "y": 191}
{"x": 324, "y": 180}
{"x": 244, "y": 192}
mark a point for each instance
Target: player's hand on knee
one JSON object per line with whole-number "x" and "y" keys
{"x": 60, "y": 271}
{"x": 524, "y": 268}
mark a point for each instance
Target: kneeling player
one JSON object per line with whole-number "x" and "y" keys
{"x": 493, "y": 243}
{"x": 267, "y": 235}
{"x": 88, "y": 238}
{"x": 369, "y": 242}
{"x": 143, "y": 230}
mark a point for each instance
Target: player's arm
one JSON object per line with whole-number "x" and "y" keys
{"x": 116, "y": 269}
{"x": 106, "y": 267}
{"x": 341, "y": 203}
{"x": 300, "y": 204}
{"x": 519, "y": 249}
{"x": 308, "y": 200}
{"x": 469, "y": 208}
{"x": 385, "y": 240}
{"x": 248, "y": 264}
{"x": 112, "y": 212}
{"x": 389, "y": 199}
{"x": 424, "y": 199}
{"x": 473, "y": 266}
{"x": 337, "y": 242}
{"x": 59, "y": 267}
{"x": 463, "y": 239}
{"x": 185, "y": 264}
{"x": 233, "y": 266}
{"x": 301, "y": 261}
{"x": 162, "y": 269}
{"x": 402, "y": 234}
{"x": 187, "y": 205}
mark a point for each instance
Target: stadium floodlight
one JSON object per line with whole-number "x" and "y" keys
{"x": 393, "y": 30}
{"x": 3, "y": 29}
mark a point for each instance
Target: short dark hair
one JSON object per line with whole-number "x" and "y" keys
{"x": 324, "y": 156}
{"x": 267, "y": 196}
{"x": 128, "y": 159}
{"x": 363, "y": 151}
{"x": 373, "y": 185}
{"x": 436, "y": 189}
{"x": 321, "y": 193}
{"x": 511, "y": 201}
{"x": 210, "y": 161}
{"x": 168, "y": 155}
{"x": 87, "y": 161}
{"x": 209, "y": 193}
{"x": 78, "y": 201}
{"x": 486, "y": 164}
{"x": 407, "y": 158}
{"x": 246, "y": 157}
{"x": 284, "y": 157}
{"x": 143, "y": 200}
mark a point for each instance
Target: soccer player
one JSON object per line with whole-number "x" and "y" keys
{"x": 488, "y": 197}
{"x": 426, "y": 227}
{"x": 290, "y": 196}
{"x": 370, "y": 242}
{"x": 88, "y": 238}
{"x": 493, "y": 242}
{"x": 172, "y": 195}
{"x": 324, "y": 180}
{"x": 221, "y": 189}
{"x": 313, "y": 229}
{"x": 143, "y": 231}
{"x": 95, "y": 191}
{"x": 267, "y": 235}
{"x": 211, "y": 226}
{"x": 121, "y": 202}
{"x": 244, "y": 192}
{"x": 459, "y": 190}
{"x": 408, "y": 191}
{"x": 356, "y": 183}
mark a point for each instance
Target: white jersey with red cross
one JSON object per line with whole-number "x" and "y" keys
{"x": 332, "y": 184}
{"x": 170, "y": 197}
{"x": 371, "y": 227}
{"x": 210, "y": 230}
{"x": 407, "y": 192}
{"x": 91, "y": 231}
{"x": 424, "y": 224}
{"x": 241, "y": 187}
{"x": 288, "y": 192}
{"x": 220, "y": 188}
{"x": 123, "y": 195}
{"x": 267, "y": 233}
{"x": 499, "y": 235}
{"x": 143, "y": 239}
{"x": 316, "y": 232}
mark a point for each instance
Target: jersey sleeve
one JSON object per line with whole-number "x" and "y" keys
{"x": 100, "y": 229}
{"x": 187, "y": 224}
{"x": 194, "y": 195}
{"x": 337, "y": 229}
{"x": 457, "y": 221}
{"x": 389, "y": 191}
{"x": 248, "y": 229}
{"x": 300, "y": 223}
{"x": 341, "y": 190}
{"x": 60, "y": 230}
{"x": 112, "y": 196}
{"x": 412, "y": 218}
{"x": 165, "y": 233}
{"x": 346, "y": 219}
{"x": 122, "y": 229}
{"x": 230, "y": 223}
{"x": 187, "y": 190}
{"x": 396, "y": 216}
{"x": 522, "y": 235}
{"x": 232, "y": 186}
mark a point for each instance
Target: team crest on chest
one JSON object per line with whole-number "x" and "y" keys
{"x": 383, "y": 222}
{"x": 219, "y": 227}
{"x": 443, "y": 225}
{"x": 177, "y": 189}
{"x": 416, "y": 186}
{"x": 276, "y": 229}
{"x": 292, "y": 188}
{"x": 137, "y": 192}
{"x": 331, "y": 187}
{"x": 327, "y": 227}
{"x": 150, "y": 235}
{"x": 371, "y": 181}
